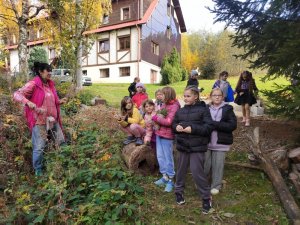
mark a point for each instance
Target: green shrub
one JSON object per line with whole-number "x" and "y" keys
{"x": 284, "y": 101}
{"x": 208, "y": 70}
{"x": 84, "y": 183}
{"x": 171, "y": 69}
{"x": 85, "y": 97}
{"x": 37, "y": 54}
{"x": 63, "y": 89}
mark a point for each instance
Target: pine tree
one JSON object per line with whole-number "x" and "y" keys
{"x": 270, "y": 31}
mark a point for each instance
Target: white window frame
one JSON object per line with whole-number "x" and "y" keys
{"x": 122, "y": 13}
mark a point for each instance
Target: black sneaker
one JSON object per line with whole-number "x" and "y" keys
{"x": 206, "y": 205}
{"x": 129, "y": 139}
{"x": 179, "y": 199}
{"x": 139, "y": 141}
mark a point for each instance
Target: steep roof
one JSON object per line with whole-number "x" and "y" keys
{"x": 144, "y": 20}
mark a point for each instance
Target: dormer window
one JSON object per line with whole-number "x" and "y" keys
{"x": 105, "y": 19}
{"x": 125, "y": 13}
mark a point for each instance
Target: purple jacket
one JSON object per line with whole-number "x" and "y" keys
{"x": 165, "y": 130}
{"x": 37, "y": 98}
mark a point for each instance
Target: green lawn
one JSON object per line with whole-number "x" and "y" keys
{"x": 113, "y": 93}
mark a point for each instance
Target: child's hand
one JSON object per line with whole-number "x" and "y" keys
{"x": 187, "y": 130}
{"x": 179, "y": 128}
{"x": 241, "y": 93}
{"x": 118, "y": 117}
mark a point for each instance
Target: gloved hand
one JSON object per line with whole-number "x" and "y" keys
{"x": 155, "y": 118}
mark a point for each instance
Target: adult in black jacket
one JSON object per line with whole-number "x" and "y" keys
{"x": 131, "y": 88}
{"x": 192, "y": 126}
{"x": 193, "y": 80}
{"x": 224, "y": 121}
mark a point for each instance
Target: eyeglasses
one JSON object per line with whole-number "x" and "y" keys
{"x": 217, "y": 96}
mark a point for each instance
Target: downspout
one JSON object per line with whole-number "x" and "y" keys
{"x": 139, "y": 38}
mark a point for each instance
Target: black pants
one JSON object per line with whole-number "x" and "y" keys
{"x": 196, "y": 161}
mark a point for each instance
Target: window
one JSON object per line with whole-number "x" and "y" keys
{"x": 14, "y": 39}
{"x": 155, "y": 48}
{"x": 124, "y": 43}
{"x": 104, "y": 73}
{"x": 124, "y": 71}
{"x": 52, "y": 53}
{"x": 169, "y": 9}
{"x": 105, "y": 19}
{"x": 103, "y": 46}
{"x": 125, "y": 13}
{"x": 169, "y": 32}
{"x": 40, "y": 33}
{"x": 84, "y": 72}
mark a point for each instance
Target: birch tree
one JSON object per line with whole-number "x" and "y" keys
{"x": 20, "y": 12}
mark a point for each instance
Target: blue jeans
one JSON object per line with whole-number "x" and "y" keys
{"x": 39, "y": 142}
{"x": 164, "y": 152}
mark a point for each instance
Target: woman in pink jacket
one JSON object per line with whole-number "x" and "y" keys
{"x": 42, "y": 111}
{"x": 164, "y": 139}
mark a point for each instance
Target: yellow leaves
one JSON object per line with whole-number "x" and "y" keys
{"x": 105, "y": 157}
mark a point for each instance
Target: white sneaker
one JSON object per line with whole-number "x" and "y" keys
{"x": 214, "y": 191}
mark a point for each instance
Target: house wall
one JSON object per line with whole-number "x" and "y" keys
{"x": 156, "y": 30}
{"x": 143, "y": 67}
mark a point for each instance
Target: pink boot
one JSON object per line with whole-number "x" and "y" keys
{"x": 247, "y": 124}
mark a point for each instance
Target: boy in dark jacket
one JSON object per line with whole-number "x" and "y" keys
{"x": 192, "y": 126}
{"x": 132, "y": 88}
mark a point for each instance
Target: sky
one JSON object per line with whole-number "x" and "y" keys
{"x": 197, "y": 17}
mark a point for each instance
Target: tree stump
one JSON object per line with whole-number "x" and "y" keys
{"x": 140, "y": 159}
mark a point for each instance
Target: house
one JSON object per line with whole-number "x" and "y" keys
{"x": 131, "y": 41}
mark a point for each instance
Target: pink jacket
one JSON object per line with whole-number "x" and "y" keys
{"x": 165, "y": 130}
{"x": 37, "y": 98}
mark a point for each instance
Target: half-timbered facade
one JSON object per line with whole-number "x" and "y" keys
{"x": 131, "y": 41}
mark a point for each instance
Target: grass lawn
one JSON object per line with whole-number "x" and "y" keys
{"x": 247, "y": 198}
{"x": 113, "y": 93}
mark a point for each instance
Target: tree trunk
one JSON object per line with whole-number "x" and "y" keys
{"x": 78, "y": 70}
{"x": 140, "y": 159}
{"x": 289, "y": 204}
{"x": 23, "y": 37}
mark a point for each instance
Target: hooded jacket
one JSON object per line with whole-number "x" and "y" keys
{"x": 224, "y": 124}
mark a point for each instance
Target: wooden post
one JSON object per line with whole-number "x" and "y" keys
{"x": 286, "y": 198}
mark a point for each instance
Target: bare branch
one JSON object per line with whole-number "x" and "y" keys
{"x": 38, "y": 9}
{"x": 14, "y": 8}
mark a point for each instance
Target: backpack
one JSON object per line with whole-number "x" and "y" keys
{"x": 230, "y": 95}
{"x": 230, "y": 92}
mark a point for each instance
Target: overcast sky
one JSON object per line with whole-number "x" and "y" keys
{"x": 197, "y": 17}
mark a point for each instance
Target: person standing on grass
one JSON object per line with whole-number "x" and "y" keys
{"x": 224, "y": 123}
{"x": 131, "y": 88}
{"x": 224, "y": 85}
{"x": 164, "y": 139}
{"x": 149, "y": 109}
{"x": 42, "y": 111}
{"x": 245, "y": 89}
{"x": 193, "y": 80}
{"x": 192, "y": 126}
